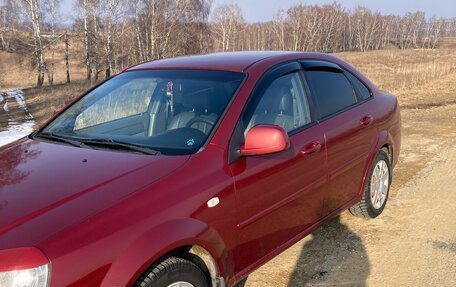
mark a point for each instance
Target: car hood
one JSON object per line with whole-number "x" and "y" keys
{"x": 47, "y": 186}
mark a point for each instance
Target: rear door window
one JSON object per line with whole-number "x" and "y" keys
{"x": 332, "y": 91}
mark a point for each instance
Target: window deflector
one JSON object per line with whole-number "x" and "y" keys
{"x": 319, "y": 65}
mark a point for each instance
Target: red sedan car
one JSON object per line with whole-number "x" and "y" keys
{"x": 194, "y": 171}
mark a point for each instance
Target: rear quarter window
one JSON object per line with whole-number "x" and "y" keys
{"x": 332, "y": 91}
{"x": 363, "y": 91}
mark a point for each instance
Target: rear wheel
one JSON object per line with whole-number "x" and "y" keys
{"x": 173, "y": 272}
{"x": 376, "y": 188}
{"x": 241, "y": 283}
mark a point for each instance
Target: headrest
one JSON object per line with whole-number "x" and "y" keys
{"x": 277, "y": 99}
{"x": 199, "y": 100}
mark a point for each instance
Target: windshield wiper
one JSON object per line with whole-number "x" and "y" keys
{"x": 115, "y": 143}
{"x": 56, "y": 137}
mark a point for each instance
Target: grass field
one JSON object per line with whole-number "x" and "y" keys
{"x": 411, "y": 75}
{"x": 17, "y": 71}
{"x": 405, "y": 73}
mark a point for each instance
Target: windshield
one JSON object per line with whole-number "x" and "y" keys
{"x": 168, "y": 111}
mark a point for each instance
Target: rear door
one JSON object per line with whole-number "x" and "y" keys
{"x": 348, "y": 127}
{"x": 278, "y": 195}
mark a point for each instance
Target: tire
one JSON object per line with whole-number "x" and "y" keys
{"x": 170, "y": 272}
{"x": 374, "y": 197}
{"x": 241, "y": 283}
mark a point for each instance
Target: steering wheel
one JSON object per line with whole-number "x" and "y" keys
{"x": 199, "y": 120}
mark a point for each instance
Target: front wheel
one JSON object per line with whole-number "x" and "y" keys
{"x": 376, "y": 188}
{"x": 173, "y": 272}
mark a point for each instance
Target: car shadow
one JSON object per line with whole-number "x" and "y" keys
{"x": 335, "y": 256}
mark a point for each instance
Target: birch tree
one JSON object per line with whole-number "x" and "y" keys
{"x": 33, "y": 9}
{"x": 51, "y": 7}
{"x": 108, "y": 47}
{"x": 85, "y": 19}
{"x": 94, "y": 8}
{"x": 279, "y": 27}
{"x": 228, "y": 20}
{"x": 4, "y": 45}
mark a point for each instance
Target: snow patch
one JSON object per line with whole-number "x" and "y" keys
{"x": 19, "y": 97}
{"x": 15, "y": 130}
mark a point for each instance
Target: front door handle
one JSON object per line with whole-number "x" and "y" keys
{"x": 311, "y": 148}
{"x": 366, "y": 120}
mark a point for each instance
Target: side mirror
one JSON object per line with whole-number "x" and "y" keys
{"x": 265, "y": 139}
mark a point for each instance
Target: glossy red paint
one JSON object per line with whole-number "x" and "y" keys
{"x": 265, "y": 139}
{"x": 102, "y": 217}
{"x": 236, "y": 62}
{"x": 275, "y": 202}
{"x": 21, "y": 259}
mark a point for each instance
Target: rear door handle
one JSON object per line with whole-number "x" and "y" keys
{"x": 311, "y": 148}
{"x": 366, "y": 120}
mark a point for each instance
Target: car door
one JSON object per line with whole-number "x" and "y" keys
{"x": 348, "y": 127}
{"x": 278, "y": 195}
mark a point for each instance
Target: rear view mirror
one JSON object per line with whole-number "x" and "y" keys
{"x": 265, "y": 139}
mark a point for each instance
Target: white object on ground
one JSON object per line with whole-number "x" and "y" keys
{"x": 15, "y": 130}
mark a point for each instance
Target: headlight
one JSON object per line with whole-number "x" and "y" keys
{"x": 34, "y": 277}
{"x": 24, "y": 267}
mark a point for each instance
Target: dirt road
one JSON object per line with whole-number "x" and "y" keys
{"x": 413, "y": 243}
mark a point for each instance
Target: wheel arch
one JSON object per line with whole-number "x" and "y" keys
{"x": 189, "y": 238}
{"x": 384, "y": 141}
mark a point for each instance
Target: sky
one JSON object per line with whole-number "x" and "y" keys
{"x": 264, "y": 10}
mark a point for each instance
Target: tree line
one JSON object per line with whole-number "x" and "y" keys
{"x": 114, "y": 34}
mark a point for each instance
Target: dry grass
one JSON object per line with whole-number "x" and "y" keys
{"x": 408, "y": 73}
{"x": 42, "y": 102}
{"x": 18, "y": 71}
{"x": 418, "y": 77}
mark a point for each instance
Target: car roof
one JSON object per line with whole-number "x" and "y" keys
{"x": 251, "y": 61}
{"x": 227, "y": 61}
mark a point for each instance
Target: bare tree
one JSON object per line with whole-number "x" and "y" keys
{"x": 279, "y": 27}
{"x": 85, "y": 16}
{"x": 365, "y": 24}
{"x": 331, "y": 28}
{"x": 296, "y": 16}
{"x": 8, "y": 24}
{"x": 164, "y": 28}
{"x": 66, "y": 59}
{"x": 3, "y": 27}
{"x": 436, "y": 29}
{"x": 33, "y": 9}
{"x": 451, "y": 27}
{"x": 118, "y": 33}
{"x": 228, "y": 21}
{"x": 94, "y": 8}
{"x": 51, "y": 7}
{"x": 108, "y": 47}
